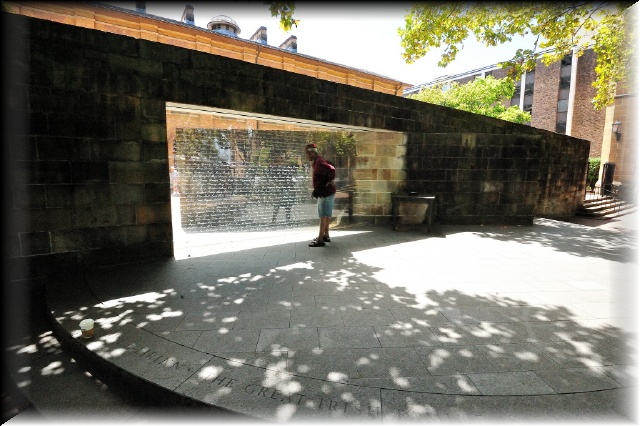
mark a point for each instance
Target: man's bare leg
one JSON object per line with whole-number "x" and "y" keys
{"x": 324, "y": 227}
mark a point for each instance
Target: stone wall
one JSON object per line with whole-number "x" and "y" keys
{"x": 87, "y": 161}
{"x": 495, "y": 179}
{"x": 378, "y": 173}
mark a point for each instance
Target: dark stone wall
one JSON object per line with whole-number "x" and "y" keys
{"x": 497, "y": 179}
{"x": 86, "y": 170}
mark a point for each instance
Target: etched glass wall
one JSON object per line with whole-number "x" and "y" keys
{"x": 247, "y": 180}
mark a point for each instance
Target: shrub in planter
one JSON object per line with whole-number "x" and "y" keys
{"x": 593, "y": 171}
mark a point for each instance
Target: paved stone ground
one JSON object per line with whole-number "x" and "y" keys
{"x": 471, "y": 324}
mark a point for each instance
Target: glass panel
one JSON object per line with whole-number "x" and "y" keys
{"x": 561, "y": 117}
{"x": 530, "y": 77}
{"x": 563, "y": 106}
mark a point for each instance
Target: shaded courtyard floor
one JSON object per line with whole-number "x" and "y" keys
{"x": 468, "y": 323}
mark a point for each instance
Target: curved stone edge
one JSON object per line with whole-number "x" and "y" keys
{"x": 204, "y": 380}
{"x": 147, "y": 391}
{"x": 113, "y": 375}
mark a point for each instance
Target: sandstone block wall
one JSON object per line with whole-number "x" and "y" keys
{"x": 496, "y": 179}
{"x": 87, "y": 158}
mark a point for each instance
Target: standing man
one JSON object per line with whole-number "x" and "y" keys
{"x": 324, "y": 189}
{"x": 173, "y": 177}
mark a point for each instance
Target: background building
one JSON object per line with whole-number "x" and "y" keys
{"x": 620, "y": 139}
{"x": 559, "y": 97}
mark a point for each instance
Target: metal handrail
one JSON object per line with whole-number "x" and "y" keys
{"x": 611, "y": 198}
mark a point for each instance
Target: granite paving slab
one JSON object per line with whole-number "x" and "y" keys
{"x": 447, "y": 360}
{"x": 584, "y": 353}
{"x": 477, "y": 333}
{"x": 389, "y": 362}
{"x": 591, "y": 407}
{"x": 199, "y": 321}
{"x": 348, "y": 337}
{"x": 272, "y": 360}
{"x": 512, "y": 383}
{"x": 176, "y": 302}
{"x": 278, "y": 396}
{"x": 269, "y": 318}
{"x": 457, "y": 384}
{"x": 342, "y": 302}
{"x": 184, "y": 338}
{"x": 517, "y": 357}
{"x": 227, "y": 340}
{"x": 335, "y": 365}
{"x": 626, "y": 375}
{"x": 282, "y": 339}
{"x": 568, "y": 380}
{"x": 314, "y": 317}
{"x": 405, "y": 336}
{"x": 157, "y": 321}
{"x": 162, "y": 362}
{"x": 408, "y": 315}
{"x": 359, "y": 318}
{"x": 360, "y": 333}
{"x": 299, "y": 301}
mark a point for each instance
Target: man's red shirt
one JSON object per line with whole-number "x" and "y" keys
{"x": 323, "y": 172}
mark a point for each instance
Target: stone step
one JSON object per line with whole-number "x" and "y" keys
{"x": 45, "y": 383}
{"x": 607, "y": 209}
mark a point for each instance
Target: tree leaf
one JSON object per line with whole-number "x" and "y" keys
{"x": 559, "y": 27}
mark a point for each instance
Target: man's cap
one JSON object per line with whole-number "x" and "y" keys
{"x": 311, "y": 147}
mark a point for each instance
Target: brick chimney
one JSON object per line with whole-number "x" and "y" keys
{"x": 260, "y": 35}
{"x": 187, "y": 15}
{"x": 290, "y": 44}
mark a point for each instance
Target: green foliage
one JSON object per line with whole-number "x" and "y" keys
{"x": 201, "y": 143}
{"x": 593, "y": 172}
{"x": 558, "y": 26}
{"x": 283, "y": 9}
{"x": 340, "y": 143}
{"x": 484, "y": 96}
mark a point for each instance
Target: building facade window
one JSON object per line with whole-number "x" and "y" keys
{"x": 528, "y": 84}
{"x": 515, "y": 99}
{"x": 565, "y": 82}
{"x": 563, "y": 94}
{"x": 563, "y": 105}
{"x": 529, "y": 80}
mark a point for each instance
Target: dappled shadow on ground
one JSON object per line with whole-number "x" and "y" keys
{"x": 320, "y": 335}
{"x": 571, "y": 238}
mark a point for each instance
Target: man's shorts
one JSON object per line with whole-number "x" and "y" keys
{"x": 325, "y": 205}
